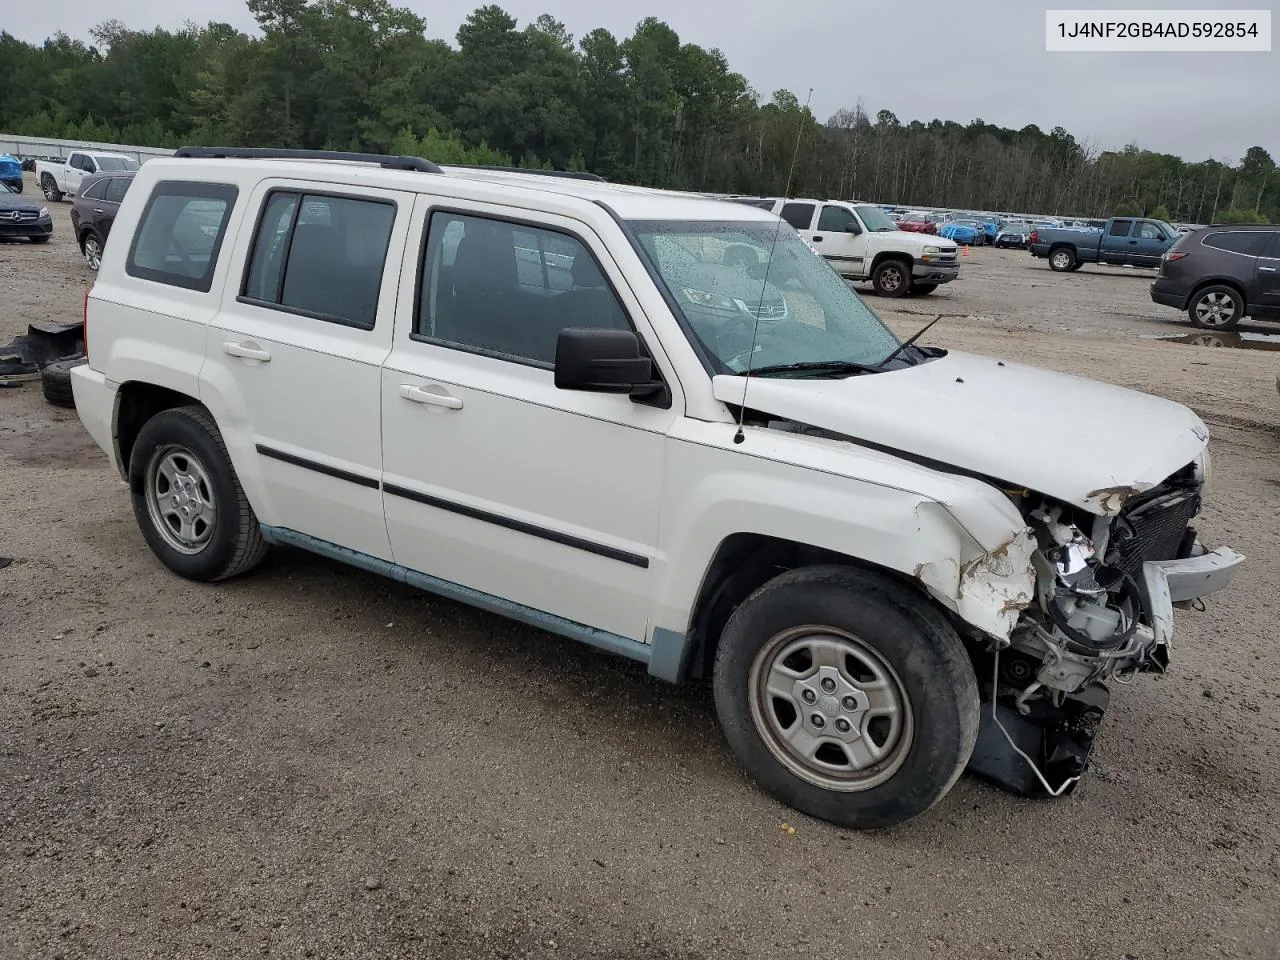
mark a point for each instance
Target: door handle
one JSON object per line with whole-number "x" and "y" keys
{"x": 246, "y": 350}
{"x": 419, "y": 395}
{"x": 1133, "y": 243}
{"x": 817, "y": 239}
{"x": 1266, "y": 269}
{"x": 98, "y": 210}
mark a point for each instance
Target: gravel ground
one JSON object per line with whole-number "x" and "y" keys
{"x": 313, "y": 761}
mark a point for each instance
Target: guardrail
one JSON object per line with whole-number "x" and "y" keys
{"x": 52, "y": 148}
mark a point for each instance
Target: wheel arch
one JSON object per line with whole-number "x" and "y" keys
{"x": 884, "y": 255}
{"x": 1204, "y": 283}
{"x": 137, "y": 402}
{"x": 744, "y": 562}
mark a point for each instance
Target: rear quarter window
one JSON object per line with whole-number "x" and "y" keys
{"x": 1248, "y": 242}
{"x": 180, "y": 234}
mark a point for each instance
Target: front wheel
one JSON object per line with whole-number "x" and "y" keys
{"x": 187, "y": 499}
{"x": 846, "y": 695}
{"x": 892, "y": 278}
{"x": 1062, "y": 259}
{"x": 923, "y": 289}
{"x": 1216, "y": 307}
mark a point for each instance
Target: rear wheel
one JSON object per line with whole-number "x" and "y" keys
{"x": 187, "y": 499}
{"x": 50, "y": 188}
{"x": 892, "y": 278}
{"x": 92, "y": 248}
{"x": 846, "y": 695}
{"x": 1216, "y": 307}
{"x": 1062, "y": 259}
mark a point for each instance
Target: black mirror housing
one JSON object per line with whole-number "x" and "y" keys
{"x": 602, "y": 361}
{"x": 853, "y": 228}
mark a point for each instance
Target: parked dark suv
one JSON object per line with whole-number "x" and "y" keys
{"x": 94, "y": 210}
{"x": 1222, "y": 273}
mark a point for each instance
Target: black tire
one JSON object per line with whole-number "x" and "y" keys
{"x": 50, "y": 188}
{"x": 1216, "y": 307}
{"x": 91, "y": 249}
{"x": 44, "y": 239}
{"x": 1062, "y": 259}
{"x": 55, "y": 381}
{"x": 926, "y": 659}
{"x": 1076, "y": 266}
{"x": 923, "y": 289}
{"x": 234, "y": 543}
{"x": 891, "y": 278}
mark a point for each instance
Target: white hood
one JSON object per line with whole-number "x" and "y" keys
{"x": 1085, "y": 443}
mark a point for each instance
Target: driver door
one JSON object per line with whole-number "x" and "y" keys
{"x": 840, "y": 235}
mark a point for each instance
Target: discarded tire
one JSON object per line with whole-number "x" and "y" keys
{"x": 55, "y": 379}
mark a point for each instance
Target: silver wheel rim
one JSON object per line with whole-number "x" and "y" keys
{"x": 1215, "y": 309}
{"x": 180, "y": 499}
{"x": 1061, "y": 261}
{"x": 92, "y": 253}
{"x": 830, "y": 709}
{"x": 47, "y": 186}
{"x": 891, "y": 279}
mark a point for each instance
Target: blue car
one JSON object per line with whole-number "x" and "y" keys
{"x": 967, "y": 232}
{"x": 11, "y": 172}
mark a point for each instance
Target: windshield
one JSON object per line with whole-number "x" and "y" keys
{"x": 802, "y": 313}
{"x": 875, "y": 219}
{"x": 116, "y": 164}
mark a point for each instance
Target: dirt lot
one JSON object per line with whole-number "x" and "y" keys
{"x": 316, "y": 762}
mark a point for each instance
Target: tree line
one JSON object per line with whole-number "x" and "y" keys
{"x": 648, "y": 109}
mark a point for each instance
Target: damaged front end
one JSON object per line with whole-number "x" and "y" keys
{"x": 1105, "y": 589}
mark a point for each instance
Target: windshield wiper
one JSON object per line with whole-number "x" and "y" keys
{"x": 812, "y": 366}
{"x": 908, "y": 343}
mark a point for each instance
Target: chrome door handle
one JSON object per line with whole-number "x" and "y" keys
{"x": 1267, "y": 269}
{"x": 419, "y": 395}
{"x": 97, "y": 210}
{"x": 246, "y": 350}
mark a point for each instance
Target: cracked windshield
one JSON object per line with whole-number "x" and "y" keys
{"x": 744, "y": 283}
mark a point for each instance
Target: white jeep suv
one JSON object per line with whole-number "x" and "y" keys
{"x": 657, "y": 424}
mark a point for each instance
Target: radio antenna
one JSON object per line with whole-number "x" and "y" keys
{"x": 764, "y": 284}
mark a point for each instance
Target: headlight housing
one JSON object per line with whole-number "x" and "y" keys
{"x": 1204, "y": 470}
{"x": 44, "y": 213}
{"x": 710, "y": 301}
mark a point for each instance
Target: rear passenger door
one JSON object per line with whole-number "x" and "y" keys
{"x": 293, "y": 358}
{"x": 494, "y": 480}
{"x": 105, "y": 213}
{"x": 1267, "y": 294}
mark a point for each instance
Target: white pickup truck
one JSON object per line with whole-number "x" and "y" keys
{"x": 62, "y": 179}
{"x": 862, "y": 243}
{"x": 659, "y": 425}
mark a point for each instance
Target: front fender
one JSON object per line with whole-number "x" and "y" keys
{"x": 961, "y": 539}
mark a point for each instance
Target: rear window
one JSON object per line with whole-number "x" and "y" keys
{"x": 1250, "y": 243}
{"x": 180, "y": 234}
{"x": 321, "y": 256}
{"x": 799, "y": 215}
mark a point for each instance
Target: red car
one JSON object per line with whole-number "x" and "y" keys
{"x": 913, "y": 223}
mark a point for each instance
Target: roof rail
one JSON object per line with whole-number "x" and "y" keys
{"x": 274, "y": 153}
{"x": 535, "y": 172}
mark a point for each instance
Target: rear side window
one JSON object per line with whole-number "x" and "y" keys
{"x": 116, "y": 189}
{"x": 180, "y": 233}
{"x": 799, "y": 215}
{"x": 1120, "y": 228}
{"x": 321, "y": 256}
{"x": 1251, "y": 243}
{"x": 96, "y": 190}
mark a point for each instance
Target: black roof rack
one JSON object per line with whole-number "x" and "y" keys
{"x": 274, "y": 153}
{"x": 535, "y": 172}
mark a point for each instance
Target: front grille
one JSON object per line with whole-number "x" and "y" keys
{"x": 19, "y": 216}
{"x": 1154, "y": 528}
{"x": 768, "y": 309}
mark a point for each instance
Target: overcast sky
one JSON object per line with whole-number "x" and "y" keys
{"x": 950, "y": 59}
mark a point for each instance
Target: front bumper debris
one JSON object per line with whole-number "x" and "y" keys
{"x": 1200, "y": 574}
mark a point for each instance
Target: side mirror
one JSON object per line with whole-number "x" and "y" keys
{"x": 853, "y": 228}
{"x": 602, "y": 361}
